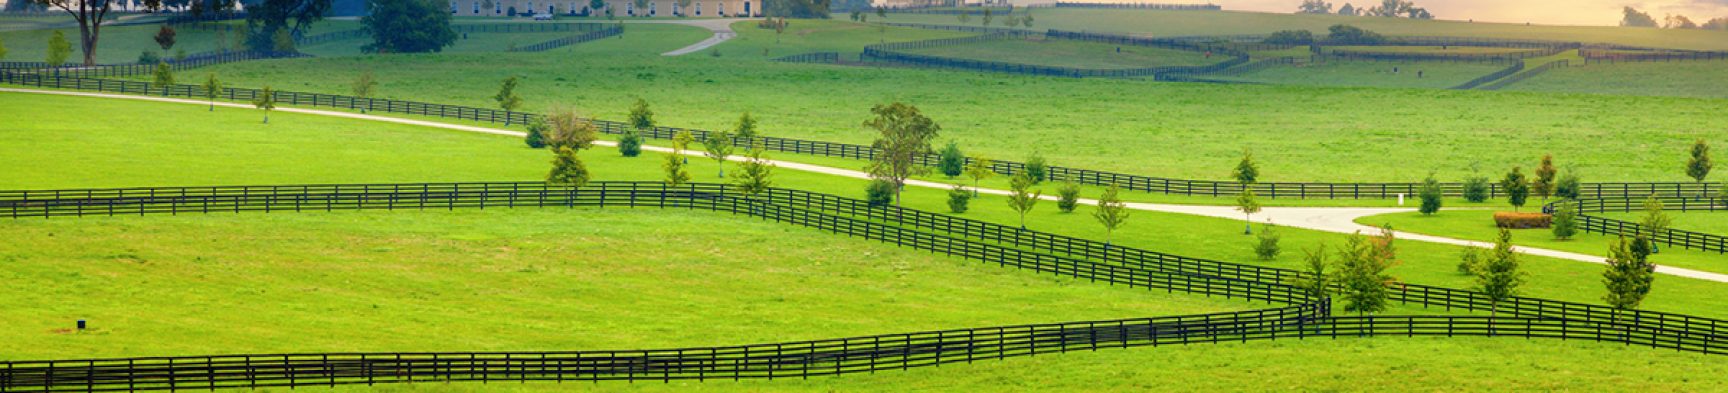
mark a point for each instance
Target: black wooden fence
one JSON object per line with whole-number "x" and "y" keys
{"x": 1494, "y": 58}
{"x": 1141, "y": 6}
{"x": 1675, "y": 237}
{"x": 1602, "y": 56}
{"x": 1497, "y": 75}
{"x": 1531, "y": 73}
{"x": 813, "y": 57}
{"x": 598, "y": 33}
{"x": 124, "y": 70}
{"x": 894, "y": 53}
{"x": 1160, "y": 185}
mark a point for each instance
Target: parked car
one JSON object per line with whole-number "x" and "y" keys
{"x": 543, "y": 16}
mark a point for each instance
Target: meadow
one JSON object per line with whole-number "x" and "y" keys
{"x": 1696, "y": 221}
{"x": 527, "y": 279}
{"x": 1068, "y": 53}
{"x": 1478, "y": 225}
{"x": 1400, "y": 74}
{"x": 1298, "y": 133}
{"x": 1702, "y": 79}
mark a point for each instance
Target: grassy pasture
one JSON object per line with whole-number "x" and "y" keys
{"x": 1703, "y": 79}
{"x": 1435, "y": 75}
{"x": 1478, "y": 225}
{"x": 1707, "y": 222}
{"x": 1299, "y": 133}
{"x": 1186, "y": 23}
{"x": 1426, "y": 50}
{"x": 177, "y": 144}
{"x": 1067, "y": 53}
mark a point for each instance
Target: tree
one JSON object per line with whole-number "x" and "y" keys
{"x": 1569, "y": 186}
{"x": 674, "y": 166}
{"x": 641, "y": 118}
{"x": 364, "y": 86}
{"x": 682, "y": 139}
{"x": 1680, "y": 22}
{"x": 1037, "y": 168}
{"x": 265, "y": 100}
{"x": 1719, "y": 24}
{"x": 1266, "y": 248}
{"x": 755, "y": 174}
{"x": 978, "y": 170}
{"x": 567, "y": 169}
{"x": 1246, "y": 172}
{"x": 630, "y": 145}
{"x": 1498, "y": 277}
{"x": 1347, "y": 10}
{"x": 267, "y": 21}
{"x": 1628, "y": 277}
{"x": 1011, "y": 21}
{"x": 1655, "y": 221}
{"x": 1112, "y": 212}
{"x": 987, "y": 16}
{"x": 2, "y": 49}
{"x": 507, "y": 98}
{"x": 1476, "y": 186}
{"x": 212, "y": 89}
{"x": 1248, "y": 204}
{"x": 1565, "y": 223}
{"x": 1027, "y": 20}
{"x": 58, "y": 49}
{"x": 1068, "y": 197}
{"x": 164, "y": 77}
{"x": 719, "y": 147}
{"x": 746, "y": 128}
{"x": 1290, "y": 37}
{"x": 1430, "y": 195}
{"x": 1472, "y": 258}
{"x": 570, "y": 129}
{"x": 165, "y": 37}
{"x": 879, "y": 193}
{"x": 1635, "y": 18}
{"x": 962, "y": 16}
{"x": 537, "y": 133}
{"x": 958, "y": 199}
{"x": 1517, "y": 187}
{"x": 1543, "y": 186}
{"x": 1314, "y": 7}
{"x": 1362, "y": 265}
{"x": 89, "y": 15}
{"x": 904, "y": 136}
{"x": 950, "y": 161}
{"x": 1020, "y": 199}
{"x": 1317, "y": 282}
{"x": 1347, "y": 34}
{"x": 282, "y": 41}
{"x": 596, "y": 5}
{"x": 1699, "y": 166}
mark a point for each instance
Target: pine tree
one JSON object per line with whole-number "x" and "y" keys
{"x": 746, "y": 128}
{"x": 1699, "y": 166}
{"x": 1020, "y": 199}
{"x": 1565, "y": 223}
{"x": 1112, "y": 212}
{"x": 630, "y": 144}
{"x": 567, "y": 169}
{"x": 1628, "y": 277}
{"x": 1246, "y": 172}
{"x": 1517, "y": 187}
{"x": 1430, "y": 195}
{"x": 950, "y": 161}
{"x": 1498, "y": 277}
{"x": 1543, "y": 186}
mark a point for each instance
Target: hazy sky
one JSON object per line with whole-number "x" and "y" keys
{"x": 1567, "y": 12}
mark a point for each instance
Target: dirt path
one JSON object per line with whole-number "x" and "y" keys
{"x": 1329, "y": 219}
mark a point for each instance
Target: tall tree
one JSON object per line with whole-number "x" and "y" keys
{"x": 363, "y": 87}
{"x": 754, "y": 174}
{"x": 507, "y": 98}
{"x": 1246, "y": 172}
{"x": 1517, "y": 187}
{"x": 265, "y": 100}
{"x": 212, "y": 89}
{"x": 1565, "y": 223}
{"x": 1681, "y": 22}
{"x": 1699, "y": 166}
{"x": 1112, "y": 212}
{"x": 978, "y": 170}
{"x": 1362, "y": 265}
{"x": 1318, "y": 282}
{"x": 1248, "y": 204}
{"x": 1543, "y": 186}
{"x": 719, "y": 147}
{"x": 570, "y": 129}
{"x": 1431, "y": 196}
{"x": 1019, "y": 198}
{"x": 1628, "y": 277}
{"x": 1655, "y": 222}
{"x": 266, "y": 20}
{"x": 567, "y": 169}
{"x": 1314, "y": 7}
{"x": 89, "y": 14}
{"x": 1498, "y": 276}
{"x": 904, "y": 136}
{"x": 950, "y": 161}
{"x": 1635, "y": 18}
{"x": 408, "y": 26}
{"x": 1347, "y": 10}
{"x": 58, "y": 49}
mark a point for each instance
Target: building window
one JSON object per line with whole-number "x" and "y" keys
{"x": 698, "y": 8}
{"x": 630, "y": 8}
{"x": 746, "y": 8}
{"x": 476, "y": 8}
{"x": 722, "y": 8}
{"x": 453, "y": 7}
{"x": 653, "y": 8}
{"x": 497, "y": 7}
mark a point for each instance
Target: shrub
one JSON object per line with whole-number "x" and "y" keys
{"x": 950, "y": 161}
{"x": 149, "y": 57}
{"x": 1565, "y": 223}
{"x": 1290, "y": 37}
{"x": 958, "y": 198}
{"x": 1430, "y": 195}
{"x": 1469, "y": 260}
{"x": 1347, "y": 34}
{"x": 630, "y": 145}
{"x": 1036, "y": 169}
{"x": 1267, "y": 247}
{"x": 879, "y": 193}
{"x": 1476, "y": 189}
{"x": 537, "y": 129}
{"x": 1068, "y": 197}
{"x": 1511, "y": 220}
{"x": 1568, "y": 187}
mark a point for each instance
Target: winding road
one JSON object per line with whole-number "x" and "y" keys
{"x": 1329, "y": 219}
{"x": 722, "y": 29}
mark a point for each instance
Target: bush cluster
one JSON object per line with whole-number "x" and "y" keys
{"x": 1512, "y": 220}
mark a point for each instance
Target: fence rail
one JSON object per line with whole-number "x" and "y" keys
{"x": 1531, "y": 73}
{"x": 1497, "y": 75}
{"x": 813, "y": 57}
{"x": 608, "y": 31}
{"x": 1603, "y": 56}
{"x": 1141, "y": 6}
{"x": 123, "y": 70}
{"x": 1674, "y": 237}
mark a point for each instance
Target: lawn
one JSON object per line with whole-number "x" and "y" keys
{"x": 1435, "y": 50}
{"x": 1478, "y": 225}
{"x": 1705, "y": 221}
{"x": 123, "y": 44}
{"x": 1188, "y": 23}
{"x": 1402, "y": 74}
{"x": 1068, "y": 53}
{"x": 1298, "y": 133}
{"x": 1703, "y": 79}
{"x": 488, "y": 279}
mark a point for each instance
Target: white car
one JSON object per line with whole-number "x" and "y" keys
{"x": 544, "y": 16}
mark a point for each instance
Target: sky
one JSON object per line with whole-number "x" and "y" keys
{"x": 1552, "y": 12}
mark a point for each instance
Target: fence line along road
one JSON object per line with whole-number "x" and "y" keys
{"x": 1150, "y": 184}
{"x": 987, "y": 242}
{"x": 1306, "y": 318}
{"x": 1674, "y": 237}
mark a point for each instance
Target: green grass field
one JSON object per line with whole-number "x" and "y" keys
{"x": 1187, "y": 23}
{"x": 1707, "y": 222}
{"x": 1434, "y": 50}
{"x": 1478, "y": 225}
{"x": 1299, "y": 133}
{"x": 1072, "y": 54}
{"x": 1703, "y": 79}
{"x": 1435, "y": 75}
